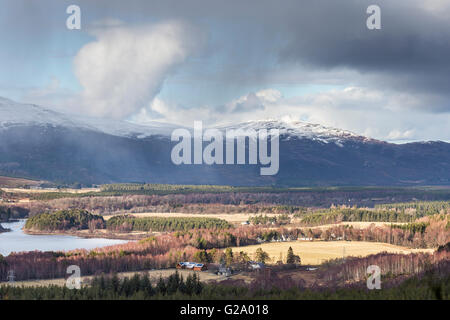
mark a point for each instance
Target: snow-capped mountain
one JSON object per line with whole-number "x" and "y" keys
{"x": 13, "y": 114}
{"x": 19, "y": 114}
{"x": 40, "y": 143}
{"x": 300, "y": 130}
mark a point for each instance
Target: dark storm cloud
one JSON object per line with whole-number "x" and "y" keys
{"x": 412, "y": 49}
{"x": 253, "y": 41}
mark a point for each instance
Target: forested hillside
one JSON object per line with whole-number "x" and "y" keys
{"x": 130, "y": 223}
{"x": 64, "y": 220}
{"x": 432, "y": 284}
{"x": 8, "y": 213}
{"x": 398, "y": 212}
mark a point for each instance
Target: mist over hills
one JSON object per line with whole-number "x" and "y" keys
{"x": 43, "y": 144}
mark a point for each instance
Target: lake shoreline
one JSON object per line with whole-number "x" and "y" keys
{"x": 17, "y": 240}
{"x": 3, "y": 230}
{"x": 87, "y": 235}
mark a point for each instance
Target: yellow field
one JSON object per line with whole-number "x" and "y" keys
{"x": 154, "y": 275}
{"x": 230, "y": 217}
{"x": 68, "y": 190}
{"x": 357, "y": 224}
{"x": 242, "y": 217}
{"x": 316, "y": 252}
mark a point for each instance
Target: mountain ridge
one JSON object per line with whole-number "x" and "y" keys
{"x": 46, "y": 145}
{"x": 37, "y": 115}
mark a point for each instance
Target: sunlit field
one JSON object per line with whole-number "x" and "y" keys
{"x": 316, "y": 252}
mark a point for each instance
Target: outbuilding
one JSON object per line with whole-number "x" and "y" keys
{"x": 192, "y": 266}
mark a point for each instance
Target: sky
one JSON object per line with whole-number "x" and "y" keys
{"x": 232, "y": 61}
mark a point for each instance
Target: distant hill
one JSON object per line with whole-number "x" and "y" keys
{"x": 45, "y": 145}
{"x": 10, "y": 182}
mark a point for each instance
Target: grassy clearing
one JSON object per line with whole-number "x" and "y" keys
{"x": 153, "y": 274}
{"x": 356, "y": 224}
{"x": 229, "y": 217}
{"x": 38, "y": 191}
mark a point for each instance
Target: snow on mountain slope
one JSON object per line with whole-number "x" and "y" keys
{"x": 19, "y": 114}
{"x": 15, "y": 114}
{"x": 300, "y": 129}
{"x": 127, "y": 129}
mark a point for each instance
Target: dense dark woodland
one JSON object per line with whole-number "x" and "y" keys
{"x": 400, "y": 212}
{"x": 198, "y": 199}
{"x": 77, "y": 219}
{"x": 434, "y": 283}
{"x": 310, "y": 196}
{"x": 130, "y": 223}
{"x": 65, "y": 220}
{"x": 420, "y": 208}
{"x": 12, "y": 212}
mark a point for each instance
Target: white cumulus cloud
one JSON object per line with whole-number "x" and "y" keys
{"x": 125, "y": 67}
{"x": 372, "y": 113}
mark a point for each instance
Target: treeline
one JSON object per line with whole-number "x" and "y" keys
{"x": 173, "y": 188}
{"x": 151, "y": 189}
{"x": 156, "y": 189}
{"x": 77, "y": 219}
{"x": 337, "y": 215}
{"x": 191, "y": 203}
{"x": 8, "y": 213}
{"x": 418, "y": 208}
{"x": 436, "y": 233}
{"x": 264, "y": 219}
{"x": 5, "y": 214}
{"x": 306, "y": 197}
{"x": 390, "y": 264}
{"x": 2, "y": 229}
{"x": 412, "y": 227}
{"x": 432, "y": 284}
{"x": 127, "y": 223}
{"x": 46, "y": 196}
{"x": 111, "y": 288}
